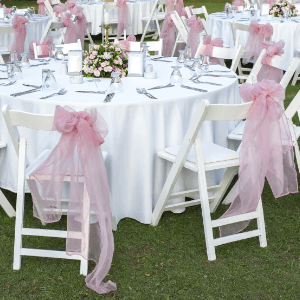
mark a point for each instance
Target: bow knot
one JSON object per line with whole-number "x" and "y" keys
{"x": 122, "y": 3}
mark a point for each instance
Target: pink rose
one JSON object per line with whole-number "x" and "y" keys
{"x": 96, "y": 47}
{"x": 103, "y": 64}
{"x": 100, "y": 69}
{"x": 94, "y": 53}
{"x": 86, "y": 69}
{"x": 108, "y": 69}
{"x": 92, "y": 56}
{"x": 118, "y": 49}
{"x": 97, "y": 73}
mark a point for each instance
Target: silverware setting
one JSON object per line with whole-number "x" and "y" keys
{"x": 163, "y": 60}
{"x": 194, "y": 89}
{"x": 196, "y": 80}
{"x": 161, "y": 87}
{"x": 26, "y": 92}
{"x": 295, "y": 21}
{"x": 220, "y": 71}
{"x": 94, "y": 80}
{"x": 42, "y": 64}
{"x": 144, "y": 92}
{"x": 215, "y": 75}
{"x": 61, "y": 92}
{"x": 7, "y": 84}
{"x": 92, "y": 92}
{"x": 34, "y": 86}
{"x": 42, "y": 59}
{"x": 109, "y": 97}
{"x": 4, "y": 78}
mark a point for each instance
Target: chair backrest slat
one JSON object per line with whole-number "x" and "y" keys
{"x": 180, "y": 26}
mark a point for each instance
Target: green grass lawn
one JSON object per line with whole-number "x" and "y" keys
{"x": 168, "y": 261}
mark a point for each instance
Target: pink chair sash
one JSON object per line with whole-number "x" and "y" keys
{"x": 81, "y": 24}
{"x": 71, "y": 35}
{"x": 266, "y": 151}
{"x": 123, "y": 17}
{"x": 41, "y": 4}
{"x": 196, "y": 27}
{"x": 208, "y": 46}
{"x": 238, "y": 2}
{"x": 58, "y": 9}
{"x": 271, "y": 2}
{"x": 168, "y": 34}
{"x": 19, "y": 25}
{"x": 44, "y": 46}
{"x": 171, "y": 6}
{"x": 126, "y": 43}
{"x": 179, "y": 6}
{"x": 78, "y": 153}
{"x": 70, "y": 4}
{"x": 258, "y": 33}
{"x": 184, "y": 13}
{"x": 267, "y": 71}
{"x": 7, "y": 10}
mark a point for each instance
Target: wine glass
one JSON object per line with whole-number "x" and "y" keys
{"x": 180, "y": 58}
{"x": 176, "y": 77}
{"x": 25, "y": 60}
{"x": 205, "y": 64}
{"x": 116, "y": 85}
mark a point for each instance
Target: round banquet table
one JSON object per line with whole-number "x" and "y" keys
{"x": 34, "y": 32}
{"x": 138, "y": 127}
{"x": 288, "y": 31}
{"x": 138, "y": 9}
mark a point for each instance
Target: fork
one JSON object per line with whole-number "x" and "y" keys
{"x": 161, "y": 86}
{"x": 61, "y": 92}
{"x": 143, "y": 91}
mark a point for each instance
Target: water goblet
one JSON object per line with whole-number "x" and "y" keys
{"x": 13, "y": 56}
{"x": 10, "y": 71}
{"x": 59, "y": 55}
{"x": 51, "y": 48}
{"x": 25, "y": 60}
{"x": 116, "y": 85}
{"x": 205, "y": 64}
{"x": 180, "y": 58}
{"x": 176, "y": 77}
{"x": 48, "y": 80}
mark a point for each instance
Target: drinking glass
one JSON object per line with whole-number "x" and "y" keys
{"x": 176, "y": 77}
{"x": 116, "y": 85}
{"x": 48, "y": 80}
{"x": 180, "y": 58}
{"x": 187, "y": 55}
{"x": 10, "y": 71}
{"x": 51, "y": 50}
{"x": 59, "y": 55}
{"x": 13, "y": 56}
{"x": 205, "y": 64}
{"x": 25, "y": 60}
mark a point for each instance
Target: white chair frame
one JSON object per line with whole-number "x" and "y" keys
{"x": 5, "y": 50}
{"x": 50, "y": 11}
{"x": 155, "y": 46}
{"x": 182, "y": 35}
{"x": 13, "y": 120}
{"x": 197, "y": 11}
{"x": 53, "y": 25}
{"x": 207, "y": 112}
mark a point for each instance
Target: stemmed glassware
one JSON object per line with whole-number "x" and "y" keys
{"x": 187, "y": 55}
{"x": 59, "y": 55}
{"x": 180, "y": 58}
{"x": 116, "y": 85}
{"x": 205, "y": 64}
{"x": 176, "y": 77}
{"x": 13, "y": 56}
{"x": 51, "y": 48}
{"x": 14, "y": 71}
{"x": 25, "y": 60}
{"x": 48, "y": 80}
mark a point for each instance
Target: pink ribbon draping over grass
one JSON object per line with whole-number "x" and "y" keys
{"x": 44, "y": 46}
{"x": 267, "y": 71}
{"x": 266, "y": 151}
{"x": 208, "y": 47}
{"x": 71, "y": 35}
{"x": 168, "y": 34}
{"x": 258, "y": 34}
{"x": 78, "y": 153}
{"x": 19, "y": 25}
{"x": 123, "y": 17}
{"x": 196, "y": 27}
{"x": 81, "y": 24}
{"x": 126, "y": 43}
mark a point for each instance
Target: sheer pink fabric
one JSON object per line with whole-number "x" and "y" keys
{"x": 70, "y": 4}
{"x": 267, "y": 71}
{"x": 179, "y": 6}
{"x": 71, "y": 34}
{"x": 238, "y": 2}
{"x": 266, "y": 151}
{"x": 183, "y": 11}
{"x": 41, "y": 4}
{"x": 196, "y": 27}
{"x": 44, "y": 46}
{"x": 7, "y": 10}
{"x": 258, "y": 33}
{"x": 19, "y": 25}
{"x": 123, "y": 17}
{"x": 126, "y": 43}
{"x": 81, "y": 24}
{"x": 168, "y": 34}
{"x": 208, "y": 46}
{"x": 78, "y": 153}
{"x": 170, "y": 6}
{"x": 271, "y": 2}
{"x": 58, "y": 9}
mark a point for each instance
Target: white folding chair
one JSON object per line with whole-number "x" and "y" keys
{"x": 50, "y": 11}
{"x": 200, "y": 157}
{"x": 65, "y": 48}
{"x": 88, "y": 36}
{"x": 233, "y": 54}
{"x": 154, "y": 46}
{"x": 206, "y": 29}
{"x": 5, "y": 50}
{"x": 182, "y": 35}
{"x": 56, "y": 29}
{"x": 13, "y": 120}
{"x": 157, "y": 14}
{"x": 197, "y": 11}
{"x": 277, "y": 62}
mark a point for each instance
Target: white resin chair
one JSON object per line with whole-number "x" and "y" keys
{"x": 66, "y": 48}
{"x": 13, "y": 120}
{"x": 182, "y": 35}
{"x": 200, "y": 157}
{"x": 5, "y": 50}
{"x": 197, "y": 11}
{"x": 50, "y": 11}
{"x": 154, "y": 46}
{"x": 157, "y": 14}
{"x": 54, "y": 28}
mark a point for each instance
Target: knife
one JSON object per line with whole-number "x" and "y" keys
{"x": 215, "y": 75}
{"x": 24, "y": 93}
{"x": 194, "y": 89}
{"x": 109, "y": 97}
{"x": 93, "y": 92}
{"x": 34, "y": 86}
{"x": 161, "y": 87}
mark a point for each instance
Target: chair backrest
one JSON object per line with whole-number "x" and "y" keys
{"x": 197, "y": 11}
{"x": 238, "y": 26}
{"x": 206, "y": 29}
{"x": 161, "y": 6}
{"x": 52, "y": 25}
{"x": 180, "y": 26}
{"x": 278, "y": 62}
{"x": 155, "y": 46}
{"x": 54, "y": 2}
{"x": 6, "y": 29}
{"x": 50, "y": 10}
{"x": 14, "y": 119}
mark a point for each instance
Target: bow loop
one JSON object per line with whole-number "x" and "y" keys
{"x": 168, "y": 34}
{"x": 208, "y": 46}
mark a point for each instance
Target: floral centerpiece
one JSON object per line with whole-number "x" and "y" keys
{"x": 104, "y": 59}
{"x": 281, "y": 6}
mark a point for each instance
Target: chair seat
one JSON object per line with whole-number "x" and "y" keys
{"x": 4, "y": 49}
{"x": 159, "y": 16}
{"x": 237, "y": 132}
{"x": 213, "y": 154}
{"x": 42, "y": 157}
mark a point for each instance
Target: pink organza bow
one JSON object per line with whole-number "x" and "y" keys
{"x": 238, "y": 2}
{"x": 81, "y": 24}
{"x": 196, "y": 27}
{"x": 171, "y": 6}
{"x": 267, "y": 71}
{"x": 19, "y": 25}
{"x": 271, "y": 2}
{"x": 70, "y": 4}
{"x": 123, "y": 17}
{"x": 58, "y": 9}
{"x": 41, "y": 4}
{"x": 258, "y": 33}
{"x": 168, "y": 34}
{"x": 78, "y": 153}
{"x": 7, "y": 10}
{"x": 179, "y": 6}
{"x": 44, "y": 46}
{"x": 126, "y": 43}
{"x": 184, "y": 13}
{"x": 208, "y": 46}
{"x": 70, "y": 35}
{"x": 266, "y": 151}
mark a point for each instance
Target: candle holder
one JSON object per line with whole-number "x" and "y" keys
{"x": 107, "y": 26}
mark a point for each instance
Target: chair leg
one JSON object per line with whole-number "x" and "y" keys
{"x": 228, "y": 199}
{"x": 83, "y": 266}
{"x": 261, "y": 225}
{"x": 295, "y": 78}
{"x": 7, "y": 206}
{"x": 175, "y": 45}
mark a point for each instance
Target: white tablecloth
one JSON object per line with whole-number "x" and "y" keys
{"x": 288, "y": 31}
{"x": 138, "y": 10}
{"x": 34, "y": 32}
{"x": 138, "y": 128}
